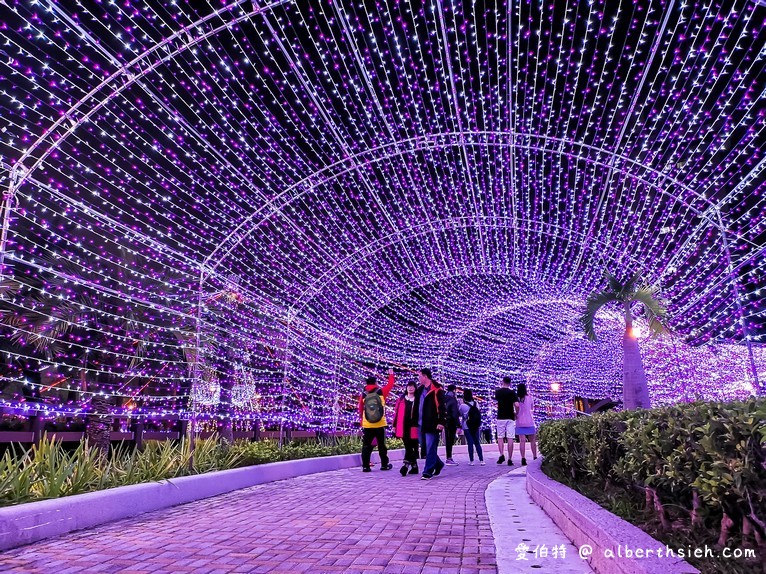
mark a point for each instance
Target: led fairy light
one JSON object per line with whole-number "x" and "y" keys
{"x": 309, "y": 101}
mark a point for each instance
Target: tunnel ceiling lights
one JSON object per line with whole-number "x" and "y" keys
{"x": 284, "y": 196}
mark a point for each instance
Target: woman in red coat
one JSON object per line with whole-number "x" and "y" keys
{"x": 406, "y": 427}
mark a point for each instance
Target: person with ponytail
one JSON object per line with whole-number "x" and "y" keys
{"x": 525, "y": 422}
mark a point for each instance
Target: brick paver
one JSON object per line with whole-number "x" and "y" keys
{"x": 342, "y": 521}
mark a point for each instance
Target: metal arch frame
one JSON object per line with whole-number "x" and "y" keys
{"x": 470, "y": 327}
{"x": 380, "y": 302}
{"x": 124, "y": 72}
{"x": 430, "y": 142}
{"x": 20, "y": 173}
{"x": 420, "y": 281}
{"x": 554, "y": 342}
{"x": 404, "y": 288}
{"x": 426, "y": 229}
{"x": 716, "y": 222}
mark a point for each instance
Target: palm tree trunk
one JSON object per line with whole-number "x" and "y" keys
{"x": 99, "y": 425}
{"x": 635, "y": 392}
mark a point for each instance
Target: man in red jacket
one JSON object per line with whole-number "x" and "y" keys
{"x": 372, "y": 405}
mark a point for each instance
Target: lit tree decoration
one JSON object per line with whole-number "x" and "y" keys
{"x": 208, "y": 392}
{"x": 634, "y": 387}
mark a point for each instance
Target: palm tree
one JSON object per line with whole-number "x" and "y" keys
{"x": 93, "y": 336}
{"x": 49, "y": 326}
{"x": 634, "y": 389}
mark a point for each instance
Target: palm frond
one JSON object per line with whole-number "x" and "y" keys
{"x": 630, "y": 285}
{"x": 593, "y": 303}
{"x": 9, "y": 287}
{"x": 613, "y": 282}
{"x": 654, "y": 309}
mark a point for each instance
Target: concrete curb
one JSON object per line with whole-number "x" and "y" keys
{"x": 526, "y": 539}
{"x": 27, "y": 523}
{"x": 589, "y": 526}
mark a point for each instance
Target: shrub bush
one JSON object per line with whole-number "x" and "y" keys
{"x": 699, "y": 465}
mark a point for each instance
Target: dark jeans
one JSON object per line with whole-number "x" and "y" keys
{"x": 367, "y": 436}
{"x": 432, "y": 454}
{"x": 411, "y": 450}
{"x": 450, "y": 432}
{"x": 472, "y": 438}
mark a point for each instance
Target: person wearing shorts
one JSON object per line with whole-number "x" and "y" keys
{"x": 506, "y": 419}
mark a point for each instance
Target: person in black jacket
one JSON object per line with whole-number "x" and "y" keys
{"x": 406, "y": 427}
{"x": 452, "y": 422}
{"x": 432, "y": 419}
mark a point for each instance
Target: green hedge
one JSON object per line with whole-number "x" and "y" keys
{"x": 50, "y": 471}
{"x": 698, "y": 466}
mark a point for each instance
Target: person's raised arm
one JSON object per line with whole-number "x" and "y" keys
{"x": 390, "y": 383}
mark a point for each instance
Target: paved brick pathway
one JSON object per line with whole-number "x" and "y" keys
{"x": 342, "y": 521}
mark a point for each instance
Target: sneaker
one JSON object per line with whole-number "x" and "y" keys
{"x": 450, "y": 462}
{"x": 403, "y": 470}
{"x": 366, "y": 469}
{"x": 388, "y": 466}
{"x": 523, "y": 462}
{"x": 414, "y": 469}
{"x": 470, "y": 463}
{"x": 481, "y": 463}
{"x": 426, "y": 476}
{"x": 501, "y": 460}
{"x": 510, "y": 462}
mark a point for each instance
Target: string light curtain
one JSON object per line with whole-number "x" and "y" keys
{"x": 257, "y": 204}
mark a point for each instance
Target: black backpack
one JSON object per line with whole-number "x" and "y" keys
{"x": 473, "y": 420}
{"x": 373, "y": 406}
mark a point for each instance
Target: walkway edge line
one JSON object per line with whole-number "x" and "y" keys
{"x": 33, "y": 521}
{"x": 586, "y": 523}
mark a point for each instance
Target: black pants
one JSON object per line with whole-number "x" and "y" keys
{"x": 367, "y": 436}
{"x": 422, "y": 443}
{"x": 411, "y": 450}
{"x": 450, "y": 433}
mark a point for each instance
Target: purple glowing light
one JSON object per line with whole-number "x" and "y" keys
{"x": 272, "y": 200}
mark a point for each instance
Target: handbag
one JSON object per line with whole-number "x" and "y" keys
{"x": 414, "y": 432}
